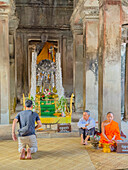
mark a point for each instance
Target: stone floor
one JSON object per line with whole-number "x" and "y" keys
{"x": 60, "y": 154}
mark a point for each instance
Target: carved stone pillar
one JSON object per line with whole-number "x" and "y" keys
{"x": 78, "y": 68}
{"x": 78, "y": 60}
{"x": 19, "y": 65}
{"x": 13, "y": 24}
{"x": 126, "y": 86}
{"x": 4, "y": 64}
{"x": 33, "y": 72}
{"x": 22, "y": 64}
{"x": 109, "y": 96}
{"x": 90, "y": 17}
{"x": 30, "y": 50}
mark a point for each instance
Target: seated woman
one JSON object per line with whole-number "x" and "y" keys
{"x": 110, "y": 131}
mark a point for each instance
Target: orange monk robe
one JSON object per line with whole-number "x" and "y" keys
{"x": 111, "y": 130}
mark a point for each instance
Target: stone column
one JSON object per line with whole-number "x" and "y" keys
{"x": 67, "y": 64}
{"x": 19, "y": 64}
{"x": 22, "y": 64}
{"x": 4, "y": 64}
{"x": 12, "y": 86}
{"x": 13, "y": 24}
{"x": 33, "y": 73}
{"x": 78, "y": 69}
{"x": 30, "y": 49}
{"x": 126, "y": 86}
{"x": 25, "y": 65}
{"x": 90, "y": 34}
{"x": 109, "y": 95}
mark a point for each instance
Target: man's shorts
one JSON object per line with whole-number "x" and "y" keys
{"x": 29, "y": 141}
{"x": 87, "y": 132}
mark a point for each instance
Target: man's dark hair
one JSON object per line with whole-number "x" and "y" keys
{"x": 28, "y": 103}
{"x": 87, "y": 111}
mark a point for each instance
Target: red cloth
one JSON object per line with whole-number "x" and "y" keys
{"x": 111, "y": 130}
{"x": 123, "y": 135}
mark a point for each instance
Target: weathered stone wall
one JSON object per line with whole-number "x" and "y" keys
{"x": 37, "y": 18}
{"x": 44, "y": 14}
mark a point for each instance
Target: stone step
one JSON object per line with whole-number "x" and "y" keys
{"x": 5, "y": 132}
{"x": 57, "y": 134}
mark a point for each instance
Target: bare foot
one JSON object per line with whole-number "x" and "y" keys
{"x": 22, "y": 156}
{"x": 29, "y": 153}
{"x": 82, "y": 142}
{"x": 85, "y": 143}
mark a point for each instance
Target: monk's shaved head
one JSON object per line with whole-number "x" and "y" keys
{"x": 110, "y": 116}
{"x": 110, "y": 113}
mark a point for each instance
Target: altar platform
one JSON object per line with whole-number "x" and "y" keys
{"x": 55, "y": 120}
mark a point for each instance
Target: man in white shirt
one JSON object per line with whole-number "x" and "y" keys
{"x": 86, "y": 126}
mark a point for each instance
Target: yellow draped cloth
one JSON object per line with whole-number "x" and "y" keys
{"x": 44, "y": 54}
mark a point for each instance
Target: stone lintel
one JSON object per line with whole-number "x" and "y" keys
{"x": 38, "y": 5}
{"x": 36, "y": 33}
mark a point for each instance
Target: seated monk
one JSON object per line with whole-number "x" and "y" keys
{"x": 110, "y": 131}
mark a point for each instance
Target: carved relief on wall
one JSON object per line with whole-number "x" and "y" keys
{"x": 91, "y": 11}
{"x": 94, "y": 68}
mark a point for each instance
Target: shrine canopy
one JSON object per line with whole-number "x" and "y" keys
{"x": 47, "y": 52}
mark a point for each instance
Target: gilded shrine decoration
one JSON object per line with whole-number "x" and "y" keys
{"x": 47, "y": 91}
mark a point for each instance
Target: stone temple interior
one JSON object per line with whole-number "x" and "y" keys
{"x": 91, "y": 37}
